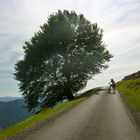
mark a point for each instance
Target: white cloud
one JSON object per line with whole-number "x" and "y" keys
{"x": 19, "y": 19}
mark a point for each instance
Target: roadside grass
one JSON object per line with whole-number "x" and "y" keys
{"x": 131, "y": 91}
{"x": 34, "y": 120}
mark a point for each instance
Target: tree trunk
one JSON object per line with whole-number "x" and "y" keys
{"x": 67, "y": 72}
{"x": 69, "y": 94}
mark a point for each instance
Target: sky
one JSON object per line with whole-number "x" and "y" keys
{"x": 120, "y": 20}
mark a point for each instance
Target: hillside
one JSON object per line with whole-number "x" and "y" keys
{"x": 36, "y": 120}
{"x": 130, "y": 88}
{"x": 12, "y": 112}
{"x": 135, "y": 75}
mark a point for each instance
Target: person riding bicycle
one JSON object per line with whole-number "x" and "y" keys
{"x": 112, "y": 85}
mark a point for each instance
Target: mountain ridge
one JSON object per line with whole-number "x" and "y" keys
{"x": 9, "y": 98}
{"x": 135, "y": 75}
{"x": 13, "y": 112}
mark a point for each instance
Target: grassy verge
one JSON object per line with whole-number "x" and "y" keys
{"x": 32, "y": 121}
{"x": 131, "y": 91}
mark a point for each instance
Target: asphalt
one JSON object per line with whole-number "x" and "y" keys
{"x": 102, "y": 116}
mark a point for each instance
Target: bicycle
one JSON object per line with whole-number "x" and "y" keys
{"x": 111, "y": 87}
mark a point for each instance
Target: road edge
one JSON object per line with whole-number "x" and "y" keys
{"x": 25, "y": 133}
{"x": 133, "y": 114}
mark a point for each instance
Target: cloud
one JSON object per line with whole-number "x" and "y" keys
{"x": 19, "y": 19}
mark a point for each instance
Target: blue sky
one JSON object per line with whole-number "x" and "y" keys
{"x": 120, "y": 20}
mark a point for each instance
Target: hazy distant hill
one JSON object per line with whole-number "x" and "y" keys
{"x": 12, "y": 112}
{"x": 8, "y": 99}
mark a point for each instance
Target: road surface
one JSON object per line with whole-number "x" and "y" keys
{"x": 100, "y": 117}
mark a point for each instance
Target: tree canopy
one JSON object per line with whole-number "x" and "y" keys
{"x": 60, "y": 58}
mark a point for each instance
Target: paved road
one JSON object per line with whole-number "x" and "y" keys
{"x": 100, "y": 117}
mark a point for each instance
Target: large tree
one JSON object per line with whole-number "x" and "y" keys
{"x": 60, "y": 58}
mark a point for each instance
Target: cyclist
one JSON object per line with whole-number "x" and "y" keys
{"x": 112, "y": 85}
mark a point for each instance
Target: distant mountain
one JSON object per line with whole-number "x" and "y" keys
{"x": 12, "y": 112}
{"x": 8, "y": 99}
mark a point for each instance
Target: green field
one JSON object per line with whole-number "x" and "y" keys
{"x": 32, "y": 121}
{"x": 131, "y": 91}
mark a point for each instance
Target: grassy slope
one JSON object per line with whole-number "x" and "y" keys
{"x": 32, "y": 121}
{"x": 131, "y": 91}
